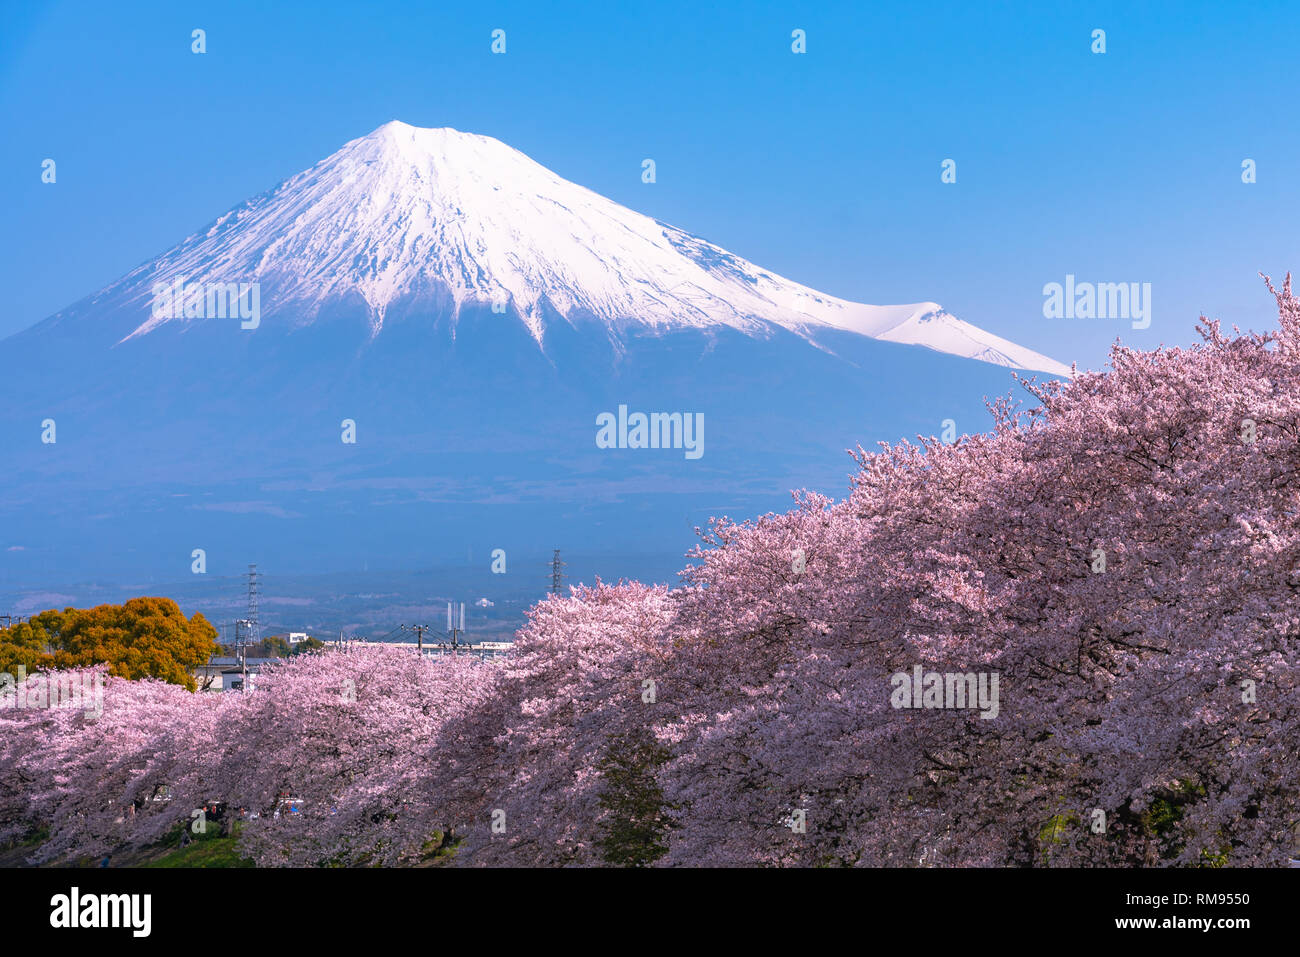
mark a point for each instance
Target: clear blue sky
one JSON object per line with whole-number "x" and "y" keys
{"x": 823, "y": 167}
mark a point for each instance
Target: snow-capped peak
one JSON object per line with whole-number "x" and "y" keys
{"x": 411, "y": 214}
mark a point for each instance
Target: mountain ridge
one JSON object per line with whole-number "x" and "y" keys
{"x": 411, "y": 219}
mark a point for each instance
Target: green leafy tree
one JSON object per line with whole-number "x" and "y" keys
{"x": 272, "y": 646}
{"x": 634, "y": 829}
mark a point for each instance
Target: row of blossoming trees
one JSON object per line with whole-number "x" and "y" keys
{"x": 1124, "y": 557}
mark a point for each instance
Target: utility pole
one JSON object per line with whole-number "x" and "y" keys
{"x": 253, "y": 591}
{"x": 248, "y": 630}
{"x": 252, "y": 617}
{"x": 419, "y": 636}
{"x": 557, "y": 576}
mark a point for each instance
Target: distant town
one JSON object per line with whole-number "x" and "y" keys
{"x": 245, "y": 651}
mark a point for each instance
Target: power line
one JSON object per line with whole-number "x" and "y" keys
{"x": 419, "y": 635}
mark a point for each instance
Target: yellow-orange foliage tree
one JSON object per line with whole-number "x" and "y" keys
{"x": 143, "y": 638}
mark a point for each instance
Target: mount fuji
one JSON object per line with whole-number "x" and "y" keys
{"x": 409, "y": 220}
{"x": 471, "y": 313}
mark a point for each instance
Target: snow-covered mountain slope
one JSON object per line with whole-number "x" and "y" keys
{"x": 409, "y": 215}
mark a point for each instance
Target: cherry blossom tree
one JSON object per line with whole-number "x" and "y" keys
{"x": 326, "y": 758}
{"x": 1124, "y": 556}
{"x": 580, "y": 689}
{"x": 1115, "y": 566}
{"x": 103, "y": 779}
